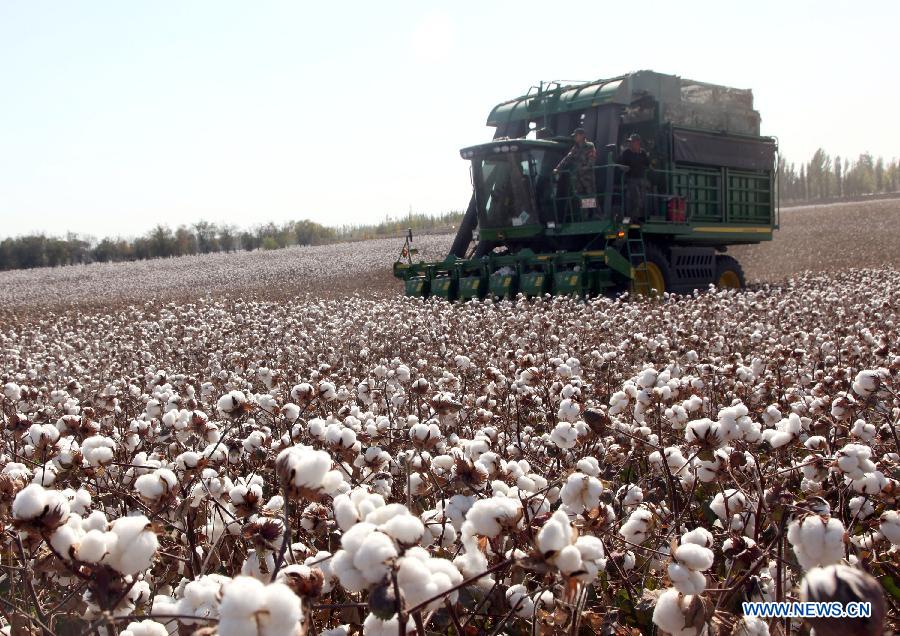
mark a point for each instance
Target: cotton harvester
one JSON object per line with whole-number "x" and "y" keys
{"x": 528, "y": 230}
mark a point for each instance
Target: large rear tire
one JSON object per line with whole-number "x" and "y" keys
{"x": 729, "y": 274}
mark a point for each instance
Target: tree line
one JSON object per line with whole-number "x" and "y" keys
{"x": 825, "y": 178}
{"x": 41, "y": 250}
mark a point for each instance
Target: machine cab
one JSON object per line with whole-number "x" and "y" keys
{"x": 514, "y": 186}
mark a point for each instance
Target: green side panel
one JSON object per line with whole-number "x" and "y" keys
{"x": 504, "y": 285}
{"x": 600, "y": 280}
{"x": 417, "y": 287}
{"x": 702, "y": 189}
{"x": 534, "y": 283}
{"x": 444, "y": 287}
{"x": 568, "y": 282}
{"x": 750, "y": 197}
{"x": 472, "y": 287}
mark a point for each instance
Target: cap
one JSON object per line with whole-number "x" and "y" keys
{"x": 578, "y": 131}
{"x": 634, "y": 137}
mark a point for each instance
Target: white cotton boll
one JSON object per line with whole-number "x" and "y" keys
{"x": 686, "y": 580}
{"x": 555, "y": 534}
{"x": 569, "y": 410}
{"x": 637, "y": 527}
{"x": 568, "y": 560}
{"x": 519, "y": 601}
{"x": 865, "y": 383}
{"x": 890, "y": 526}
{"x": 97, "y": 450}
{"x": 12, "y": 391}
{"x": 95, "y": 545}
{"x": 581, "y": 492}
{"x": 231, "y": 403}
{"x": 860, "y": 507}
{"x": 669, "y": 614}
{"x": 564, "y": 435}
{"x": 698, "y": 536}
{"x": 702, "y": 431}
{"x": 853, "y": 460}
{"x": 421, "y": 577}
{"x": 303, "y": 466}
{"x": 152, "y": 486}
{"x": 405, "y": 529}
{"x": 259, "y": 569}
{"x": 750, "y": 626}
{"x": 249, "y": 607}
{"x": 865, "y": 432}
{"x": 870, "y": 483}
{"x": 374, "y": 626}
{"x": 589, "y": 466}
{"x": 135, "y": 545}
{"x": 488, "y": 517}
{"x": 728, "y": 502}
{"x": 694, "y": 556}
{"x": 592, "y": 557}
{"x": 816, "y": 541}
{"x": 374, "y": 556}
{"x": 274, "y": 505}
{"x": 630, "y": 495}
{"x": 17, "y": 471}
{"x": 145, "y": 628}
{"x": 34, "y": 500}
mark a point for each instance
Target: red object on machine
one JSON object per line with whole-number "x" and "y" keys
{"x": 677, "y": 210}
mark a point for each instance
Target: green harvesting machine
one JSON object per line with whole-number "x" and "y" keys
{"x": 528, "y": 230}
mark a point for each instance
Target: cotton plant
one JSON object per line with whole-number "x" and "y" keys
{"x": 528, "y": 452}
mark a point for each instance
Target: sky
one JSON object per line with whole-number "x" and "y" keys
{"x": 116, "y": 116}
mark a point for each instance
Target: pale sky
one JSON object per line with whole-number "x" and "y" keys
{"x": 117, "y": 115}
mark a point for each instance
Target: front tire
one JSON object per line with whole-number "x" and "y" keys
{"x": 658, "y": 272}
{"x": 729, "y": 274}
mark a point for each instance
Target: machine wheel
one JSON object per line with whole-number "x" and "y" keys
{"x": 729, "y": 274}
{"x": 658, "y": 272}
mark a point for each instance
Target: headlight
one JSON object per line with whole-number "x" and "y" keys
{"x": 504, "y": 148}
{"x": 496, "y": 148}
{"x": 513, "y": 148}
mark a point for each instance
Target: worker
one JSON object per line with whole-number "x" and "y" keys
{"x": 581, "y": 161}
{"x": 636, "y": 162}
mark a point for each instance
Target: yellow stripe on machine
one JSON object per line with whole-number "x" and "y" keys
{"x": 744, "y": 230}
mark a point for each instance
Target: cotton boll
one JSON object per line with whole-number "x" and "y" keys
{"x": 750, "y": 626}
{"x": 816, "y": 540}
{"x": 95, "y": 545}
{"x": 890, "y": 526}
{"x": 488, "y": 517}
{"x": 581, "y": 492}
{"x": 97, "y": 450}
{"x": 694, "y": 556}
{"x": 249, "y": 607}
{"x": 421, "y": 577}
{"x": 145, "y": 628}
{"x": 564, "y": 435}
{"x": 405, "y": 529}
{"x": 670, "y": 611}
{"x": 135, "y": 545}
{"x": 555, "y": 534}
{"x": 519, "y": 601}
{"x": 374, "y": 626}
{"x": 686, "y": 580}
{"x": 862, "y": 430}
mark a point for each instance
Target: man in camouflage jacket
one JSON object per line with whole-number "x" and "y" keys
{"x": 581, "y": 162}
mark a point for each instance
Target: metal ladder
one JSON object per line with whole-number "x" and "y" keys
{"x": 637, "y": 256}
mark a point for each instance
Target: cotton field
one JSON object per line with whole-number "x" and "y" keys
{"x": 373, "y": 464}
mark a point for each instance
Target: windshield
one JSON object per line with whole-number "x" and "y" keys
{"x": 505, "y": 188}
